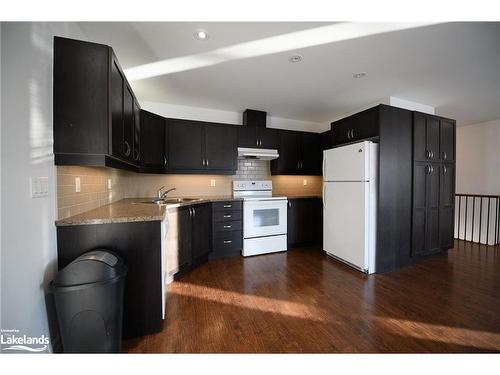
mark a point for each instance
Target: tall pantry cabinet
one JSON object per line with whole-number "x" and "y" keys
{"x": 433, "y": 184}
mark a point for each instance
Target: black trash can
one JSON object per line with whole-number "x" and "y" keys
{"x": 88, "y": 295}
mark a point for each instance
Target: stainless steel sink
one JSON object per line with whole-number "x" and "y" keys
{"x": 170, "y": 201}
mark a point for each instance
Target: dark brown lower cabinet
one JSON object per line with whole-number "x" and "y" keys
{"x": 227, "y": 229}
{"x": 433, "y": 208}
{"x": 139, "y": 244}
{"x": 304, "y": 222}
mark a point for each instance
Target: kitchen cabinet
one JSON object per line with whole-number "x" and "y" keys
{"x": 326, "y": 140}
{"x": 188, "y": 238}
{"x": 358, "y": 127}
{"x": 139, "y": 244}
{"x": 446, "y": 205}
{"x": 434, "y": 138}
{"x": 257, "y": 137}
{"x": 227, "y": 229}
{"x": 299, "y": 154}
{"x": 433, "y": 184}
{"x": 152, "y": 141}
{"x": 197, "y": 147}
{"x": 201, "y": 228}
{"x": 304, "y": 222}
{"x": 95, "y": 110}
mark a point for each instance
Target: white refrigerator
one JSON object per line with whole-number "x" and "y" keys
{"x": 350, "y": 204}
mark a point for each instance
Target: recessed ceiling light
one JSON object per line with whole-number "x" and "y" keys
{"x": 201, "y": 35}
{"x": 295, "y": 58}
{"x": 359, "y": 75}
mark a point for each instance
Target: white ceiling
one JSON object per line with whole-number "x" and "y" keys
{"x": 453, "y": 67}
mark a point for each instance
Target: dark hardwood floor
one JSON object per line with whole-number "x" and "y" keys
{"x": 305, "y": 302}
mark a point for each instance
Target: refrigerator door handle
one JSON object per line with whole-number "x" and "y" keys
{"x": 324, "y": 165}
{"x": 323, "y": 196}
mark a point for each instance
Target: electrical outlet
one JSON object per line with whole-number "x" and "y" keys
{"x": 305, "y": 182}
{"x": 109, "y": 183}
{"x": 39, "y": 187}
{"x": 78, "y": 187}
{"x": 212, "y": 183}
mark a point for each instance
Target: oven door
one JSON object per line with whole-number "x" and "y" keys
{"x": 264, "y": 218}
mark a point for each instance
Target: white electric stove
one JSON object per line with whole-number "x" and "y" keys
{"x": 264, "y": 217}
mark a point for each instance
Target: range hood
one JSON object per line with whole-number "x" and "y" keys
{"x": 257, "y": 153}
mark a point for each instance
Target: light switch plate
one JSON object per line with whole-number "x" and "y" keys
{"x": 212, "y": 183}
{"x": 305, "y": 182}
{"x": 39, "y": 187}
{"x": 78, "y": 187}
{"x": 109, "y": 183}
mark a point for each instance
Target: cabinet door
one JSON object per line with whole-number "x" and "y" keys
{"x": 221, "y": 151}
{"x": 201, "y": 230}
{"x": 432, "y": 209}
{"x": 152, "y": 140}
{"x": 341, "y": 130}
{"x": 137, "y": 133}
{"x": 310, "y": 154}
{"x": 365, "y": 124}
{"x": 419, "y": 137}
{"x": 118, "y": 147}
{"x": 288, "y": 161}
{"x": 295, "y": 221}
{"x": 247, "y": 136}
{"x": 419, "y": 208}
{"x": 128, "y": 123}
{"x": 447, "y": 140}
{"x": 446, "y": 205}
{"x": 432, "y": 138}
{"x": 267, "y": 138}
{"x": 185, "y": 145}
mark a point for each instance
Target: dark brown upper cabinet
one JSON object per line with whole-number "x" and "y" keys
{"x": 434, "y": 138}
{"x": 152, "y": 142}
{"x": 257, "y": 137}
{"x": 96, "y": 119}
{"x": 299, "y": 154}
{"x": 199, "y": 147}
{"x": 355, "y": 128}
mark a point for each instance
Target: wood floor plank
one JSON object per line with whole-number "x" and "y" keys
{"x": 303, "y": 301}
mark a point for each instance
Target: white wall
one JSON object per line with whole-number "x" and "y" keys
{"x": 28, "y": 241}
{"x": 478, "y": 158}
{"x": 228, "y": 117}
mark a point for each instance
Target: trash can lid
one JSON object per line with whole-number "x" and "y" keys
{"x": 92, "y": 267}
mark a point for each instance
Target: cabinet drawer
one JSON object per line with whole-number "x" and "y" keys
{"x": 222, "y": 226}
{"x": 227, "y": 215}
{"x": 232, "y": 240}
{"x": 227, "y": 205}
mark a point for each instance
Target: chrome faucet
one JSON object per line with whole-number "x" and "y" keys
{"x": 162, "y": 195}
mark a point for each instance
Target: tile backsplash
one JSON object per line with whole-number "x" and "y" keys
{"x": 95, "y": 193}
{"x": 94, "y": 190}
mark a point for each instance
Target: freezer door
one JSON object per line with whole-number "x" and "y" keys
{"x": 346, "y": 222}
{"x": 347, "y": 163}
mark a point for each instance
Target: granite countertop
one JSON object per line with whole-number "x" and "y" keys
{"x": 131, "y": 210}
{"x": 136, "y": 209}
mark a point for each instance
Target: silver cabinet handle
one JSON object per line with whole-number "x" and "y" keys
{"x": 165, "y": 161}
{"x": 444, "y": 169}
{"x": 432, "y": 169}
{"x": 289, "y": 204}
{"x": 352, "y": 133}
{"x": 228, "y": 216}
{"x": 228, "y": 206}
{"x": 444, "y": 155}
{"x": 349, "y": 134}
{"x": 228, "y": 241}
{"x": 136, "y": 155}
{"x": 432, "y": 154}
{"x": 427, "y": 154}
{"x": 427, "y": 169}
{"x": 127, "y": 148}
{"x": 194, "y": 211}
{"x": 206, "y": 163}
{"x": 227, "y": 226}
